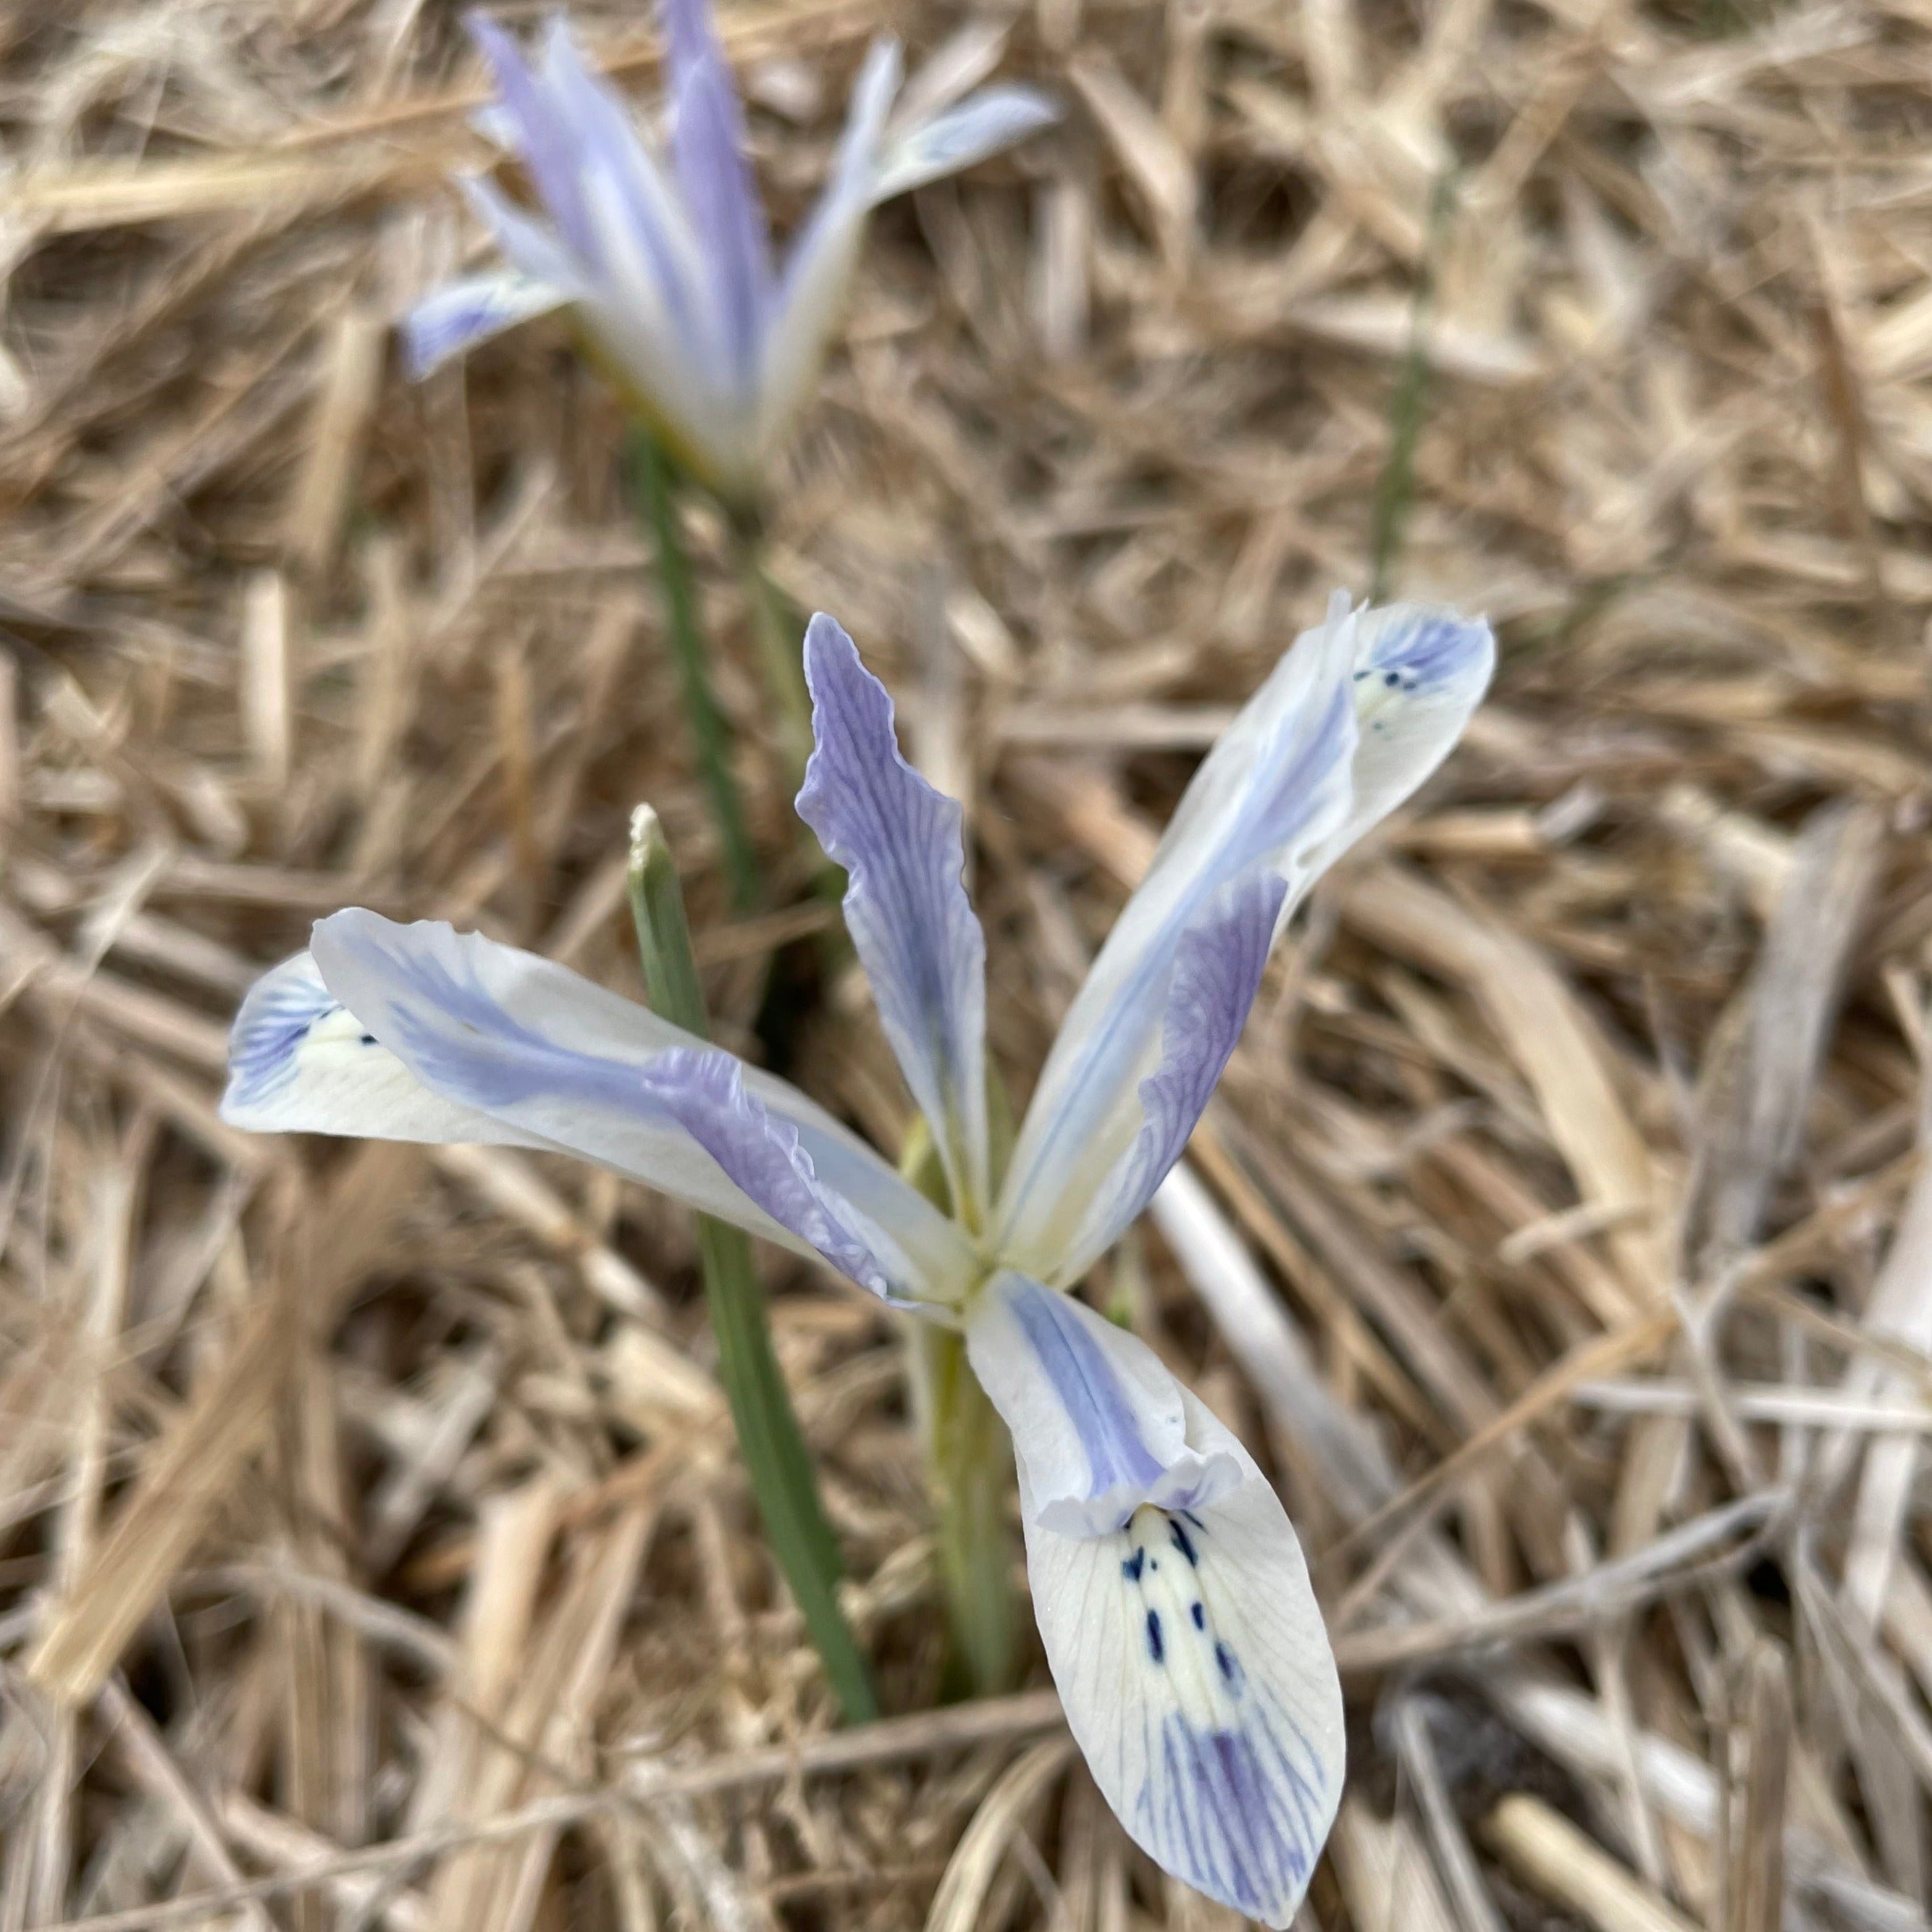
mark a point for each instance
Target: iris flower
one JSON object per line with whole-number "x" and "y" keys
{"x": 1168, "y": 1584}
{"x": 669, "y": 269}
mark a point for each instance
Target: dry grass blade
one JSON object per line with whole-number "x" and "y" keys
{"x": 1552, "y": 1854}
{"x": 209, "y": 1447}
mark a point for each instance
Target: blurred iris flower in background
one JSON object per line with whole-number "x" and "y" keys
{"x": 1168, "y": 1584}
{"x": 667, "y": 258}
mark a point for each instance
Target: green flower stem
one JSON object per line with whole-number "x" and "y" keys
{"x": 1408, "y": 408}
{"x": 655, "y": 480}
{"x": 780, "y": 638}
{"x": 969, "y": 1460}
{"x": 769, "y": 1436}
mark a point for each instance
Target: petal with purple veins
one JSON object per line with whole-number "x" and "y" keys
{"x": 708, "y": 152}
{"x": 703, "y": 1091}
{"x": 553, "y": 1060}
{"x": 455, "y": 318}
{"x": 1098, "y": 1425}
{"x": 900, "y": 844}
{"x": 980, "y": 125}
{"x": 1217, "y": 973}
{"x": 1269, "y": 796}
{"x": 1182, "y": 1632}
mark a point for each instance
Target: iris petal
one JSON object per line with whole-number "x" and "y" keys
{"x": 1173, "y": 1602}
{"x": 708, "y": 146}
{"x": 1217, "y": 972}
{"x": 511, "y": 1047}
{"x": 459, "y": 315}
{"x": 900, "y": 844}
{"x": 819, "y": 266}
{"x": 1098, "y": 1424}
{"x": 1271, "y": 793}
{"x": 980, "y": 125}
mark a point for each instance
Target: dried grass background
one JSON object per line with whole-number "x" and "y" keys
{"x": 374, "y": 1553}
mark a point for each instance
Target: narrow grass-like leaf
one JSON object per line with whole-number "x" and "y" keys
{"x": 1409, "y": 409}
{"x": 769, "y": 1436}
{"x": 778, "y": 631}
{"x": 654, "y": 480}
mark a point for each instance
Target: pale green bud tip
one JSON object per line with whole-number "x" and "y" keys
{"x": 649, "y": 845}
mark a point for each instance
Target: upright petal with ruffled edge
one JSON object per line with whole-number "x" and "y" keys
{"x": 900, "y": 844}
{"x": 1173, "y": 1600}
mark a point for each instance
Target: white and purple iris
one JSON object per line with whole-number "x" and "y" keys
{"x": 670, "y": 269}
{"x": 1168, "y": 1585}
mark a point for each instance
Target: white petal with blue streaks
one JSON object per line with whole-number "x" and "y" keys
{"x": 1217, "y": 973}
{"x": 1271, "y": 794}
{"x": 460, "y": 315}
{"x": 557, "y": 1059}
{"x": 1420, "y": 671}
{"x": 299, "y": 1062}
{"x": 1098, "y": 1426}
{"x": 980, "y": 125}
{"x": 906, "y": 907}
{"x": 819, "y": 265}
{"x": 1198, "y": 1682}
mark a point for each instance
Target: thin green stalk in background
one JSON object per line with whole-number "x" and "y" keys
{"x": 773, "y": 1446}
{"x": 780, "y": 637}
{"x": 1408, "y": 407}
{"x": 654, "y": 481}
{"x": 969, "y": 1463}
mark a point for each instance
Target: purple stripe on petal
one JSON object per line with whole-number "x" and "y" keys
{"x": 509, "y": 1038}
{"x": 491, "y": 1061}
{"x": 544, "y": 137}
{"x": 1089, "y": 1391}
{"x": 900, "y": 844}
{"x": 281, "y": 1009}
{"x": 1217, "y": 973}
{"x": 980, "y": 125}
{"x": 1274, "y": 790}
{"x": 703, "y": 1091}
{"x": 1099, "y": 1425}
{"x": 452, "y": 319}
{"x": 1241, "y": 1810}
{"x": 708, "y": 151}
{"x": 612, "y": 150}
{"x": 1196, "y": 1676}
